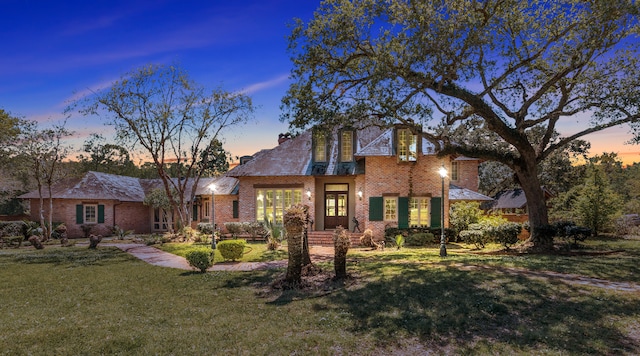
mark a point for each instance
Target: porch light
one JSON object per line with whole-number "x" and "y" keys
{"x": 360, "y": 194}
{"x": 443, "y": 247}
{"x": 213, "y": 222}
{"x": 309, "y": 193}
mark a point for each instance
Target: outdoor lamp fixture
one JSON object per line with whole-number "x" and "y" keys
{"x": 360, "y": 194}
{"x": 213, "y": 223}
{"x": 309, "y": 193}
{"x": 443, "y": 247}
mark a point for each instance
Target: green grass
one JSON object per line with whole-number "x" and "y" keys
{"x": 254, "y": 251}
{"x": 78, "y": 301}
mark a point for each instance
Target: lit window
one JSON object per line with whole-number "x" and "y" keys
{"x": 90, "y": 214}
{"x": 454, "y": 170}
{"x": 419, "y": 212}
{"x": 320, "y": 152}
{"x": 346, "y": 148}
{"x": 391, "y": 209}
{"x": 407, "y": 146}
{"x": 272, "y": 203}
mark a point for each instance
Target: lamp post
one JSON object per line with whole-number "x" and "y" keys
{"x": 213, "y": 222}
{"x": 443, "y": 246}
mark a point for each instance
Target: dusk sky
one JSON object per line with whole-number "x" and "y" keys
{"x": 55, "y": 51}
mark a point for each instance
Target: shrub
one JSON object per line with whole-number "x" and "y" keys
{"x": 255, "y": 229}
{"x": 399, "y": 241}
{"x": 420, "y": 239}
{"x": 234, "y": 228}
{"x": 366, "y": 239}
{"x": 232, "y": 249}
{"x": 205, "y": 228}
{"x": 121, "y": 234}
{"x": 12, "y": 228}
{"x": 506, "y": 234}
{"x": 201, "y": 259}
{"x": 476, "y": 235}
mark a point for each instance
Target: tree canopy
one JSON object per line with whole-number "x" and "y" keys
{"x": 173, "y": 119}
{"x": 473, "y": 77}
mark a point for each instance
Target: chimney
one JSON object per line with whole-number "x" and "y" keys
{"x": 283, "y": 137}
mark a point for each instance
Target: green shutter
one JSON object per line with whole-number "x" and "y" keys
{"x": 376, "y": 209}
{"x": 235, "y": 209}
{"x": 79, "y": 214}
{"x": 436, "y": 210}
{"x": 195, "y": 212}
{"x": 100, "y": 214}
{"x": 403, "y": 212}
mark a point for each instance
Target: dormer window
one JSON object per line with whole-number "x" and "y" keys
{"x": 407, "y": 146}
{"x": 320, "y": 148}
{"x": 454, "y": 170}
{"x": 346, "y": 146}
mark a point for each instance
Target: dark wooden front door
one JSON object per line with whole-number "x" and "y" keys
{"x": 336, "y": 210}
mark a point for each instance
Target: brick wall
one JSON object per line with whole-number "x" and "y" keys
{"x": 129, "y": 216}
{"x": 467, "y": 175}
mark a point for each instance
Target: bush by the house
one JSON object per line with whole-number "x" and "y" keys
{"x": 12, "y": 228}
{"x": 506, "y": 234}
{"x": 420, "y": 239}
{"x": 11, "y": 241}
{"x": 232, "y": 249}
{"x": 568, "y": 230}
{"x": 255, "y": 229}
{"x": 475, "y": 234}
{"x": 205, "y": 228}
{"x": 234, "y": 228}
{"x": 201, "y": 259}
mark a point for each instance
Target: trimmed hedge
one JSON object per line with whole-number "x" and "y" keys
{"x": 232, "y": 249}
{"x": 201, "y": 259}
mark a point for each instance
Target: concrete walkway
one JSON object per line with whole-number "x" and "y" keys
{"x": 161, "y": 258}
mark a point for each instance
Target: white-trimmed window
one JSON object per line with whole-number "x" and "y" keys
{"x": 419, "y": 211}
{"x": 407, "y": 146}
{"x": 320, "y": 149}
{"x": 390, "y": 208}
{"x": 206, "y": 209}
{"x": 90, "y": 213}
{"x": 346, "y": 146}
{"x": 454, "y": 170}
{"x": 272, "y": 203}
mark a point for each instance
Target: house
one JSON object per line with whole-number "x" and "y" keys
{"x": 512, "y": 204}
{"x": 366, "y": 178}
{"x": 101, "y": 201}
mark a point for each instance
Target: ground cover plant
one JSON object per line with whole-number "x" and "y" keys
{"x": 410, "y": 301}
{"x": 254, "y": 251}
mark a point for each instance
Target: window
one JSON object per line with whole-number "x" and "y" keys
{"x": 419, "y": 212}
{"x": 346, "y": 146}
{"x": 320, "y": 150}
{"x": 391, "y": 209}
{"x": 160, "y": 219}
{"x": 206, "y": 209}
{"x": 272, "y": 203}
{"x": 91, "y": 214}
{"x": 454, "y": 170}
{"x": 407, "y": 146}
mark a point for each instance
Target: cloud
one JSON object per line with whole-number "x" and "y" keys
{"x": 256, "y": 87}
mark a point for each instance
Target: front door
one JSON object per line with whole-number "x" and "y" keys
{"x": 336, "y": 206}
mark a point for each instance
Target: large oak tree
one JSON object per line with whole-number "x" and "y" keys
{"x": 474, "y": 77}
{"x": 174, "y": 120}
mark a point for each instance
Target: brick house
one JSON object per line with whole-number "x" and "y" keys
{"x": 103, "y": 200}
{"x": 370, "y": 177}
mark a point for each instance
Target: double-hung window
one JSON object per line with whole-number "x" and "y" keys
{"x": 407, "y": 146}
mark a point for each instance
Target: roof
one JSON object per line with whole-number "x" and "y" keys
{"x": 104, "y": 186}
{"x": 463, "y": 194}
{"x": 514, "y": 199}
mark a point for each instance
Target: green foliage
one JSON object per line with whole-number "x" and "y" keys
{"x": 420, "y": 239}
{"x": 506, "y": 234}
{"x": 234, "y": 228}
{"x": 276, "y": 234}
{"x": 399, "y": 240}
{"x": 101, "y": 156}
{"x": 464, "y": 213}
{"x": 12, "y": 228}
{"x": 231, "y": 249}
{"x": 597, "y": 204}
{"x": 200, "y": 259}
{"x": 476, "y": 234}
{"x": 120, "y": 233}
{"x": 205, "y": 228}
{"x": 255, "y": 229}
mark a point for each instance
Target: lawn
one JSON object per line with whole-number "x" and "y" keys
{"x": 254, "y": 251}
{"x": 78, "y": 301}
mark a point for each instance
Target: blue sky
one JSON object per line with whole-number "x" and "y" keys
{"x": 54, "y": 51}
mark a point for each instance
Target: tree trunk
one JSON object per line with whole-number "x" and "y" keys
{"x": 541, "y": 238}
{"x": 294, "y": 267}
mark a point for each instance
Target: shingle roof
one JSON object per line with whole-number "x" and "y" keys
{"x": 510, "y": 199}
{"x": 459, "y": 194}
{"x": 104, "y": 186}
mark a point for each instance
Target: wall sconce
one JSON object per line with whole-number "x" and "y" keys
{"x": 360, "y": 194}
{"x": 309, "y": 193}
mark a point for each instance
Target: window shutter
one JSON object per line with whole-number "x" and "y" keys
{"x": 235, "y": 209}
{"x": 403, "y": 212}
{"x": 79, "y": 214}
{"x": 100, "y": 214}
{"x": 436, "y": 211}
{"x": 195, "y": 212}
{"x": 376, "y": 209}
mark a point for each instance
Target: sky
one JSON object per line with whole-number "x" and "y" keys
{"x": 56, "y": 51}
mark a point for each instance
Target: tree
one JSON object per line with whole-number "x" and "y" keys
{"x": 9, "y": 129}
{"x": 160, "y": 109}
{"x": 597, "y": 203}
{"x": 105, "y": 157}
{"x": 42, "y": 150}
{"x": 473, "y": 77}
